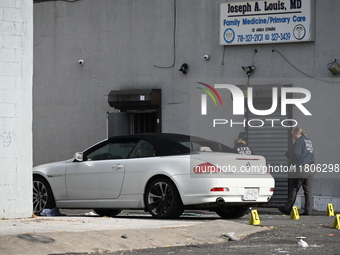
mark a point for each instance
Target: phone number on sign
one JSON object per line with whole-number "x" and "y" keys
{"x": 320, "y": 168}
{"x": 264, "y": 37}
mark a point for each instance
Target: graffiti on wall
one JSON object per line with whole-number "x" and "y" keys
{"x": 6, "y": 138}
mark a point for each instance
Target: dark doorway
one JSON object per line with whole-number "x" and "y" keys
{"x": 137, "y": 111}
{"x": 145, "y": 122}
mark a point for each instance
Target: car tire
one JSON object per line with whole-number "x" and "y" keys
{"x": 107, "y": 212}
{"x": 162, "y": 199}
{"x": 42, "y": 195}
{"x": 232, "y": 212}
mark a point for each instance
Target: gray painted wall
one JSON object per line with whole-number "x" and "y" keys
{"x": 123, "y": 41}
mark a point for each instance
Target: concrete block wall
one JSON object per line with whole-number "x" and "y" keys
{"x": 320, "y": 203}
{"x": 16, "y": 65}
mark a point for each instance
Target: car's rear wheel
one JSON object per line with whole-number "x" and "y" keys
{"x": 107, "y": 212}
{"x": 232, "y": 212}
{"x": 162, "y": 199}
{"x": 42, "y": 195}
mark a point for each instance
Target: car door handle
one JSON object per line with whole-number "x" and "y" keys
{"x": 117, "y": 167}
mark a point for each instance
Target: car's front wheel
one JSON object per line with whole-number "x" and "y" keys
{"x": 232, "y": 212}
{"x": 42, "y": 195}
{"x": 107, "y": 212}
{"x": 162, "y": 199}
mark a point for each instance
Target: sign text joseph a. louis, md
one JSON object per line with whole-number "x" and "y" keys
{"x": 259, "y": 22}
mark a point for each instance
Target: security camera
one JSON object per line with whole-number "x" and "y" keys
{"x": 81, "y": 62}
{"x": 206, "y": 57}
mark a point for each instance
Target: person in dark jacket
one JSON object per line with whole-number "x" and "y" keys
{"x": 240, "y": 146}
{"x": 302, "y": 160}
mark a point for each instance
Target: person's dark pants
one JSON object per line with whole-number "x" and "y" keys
{"x": 295, "y": 185}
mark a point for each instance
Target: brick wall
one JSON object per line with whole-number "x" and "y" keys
{"x": 16, "y": 70}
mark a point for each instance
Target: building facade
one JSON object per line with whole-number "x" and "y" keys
{"x": 126, "y": 66}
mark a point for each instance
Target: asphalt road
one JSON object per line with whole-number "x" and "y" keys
{"x": 281, "y": 238}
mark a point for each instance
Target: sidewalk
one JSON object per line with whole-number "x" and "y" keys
{"x": 51, "y": 235}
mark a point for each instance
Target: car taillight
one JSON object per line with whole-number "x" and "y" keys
{"x": 271, "y": 189}
{"x": 206, "y": 168}
{"x": 219, "y": 189}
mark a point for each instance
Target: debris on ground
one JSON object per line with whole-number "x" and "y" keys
{"x": 51, "y": 212}
{"x": 191, "y": 214}
{"x": 90, "y": 214}
{"x": 301, "y": 243}
{"x": 230, "y": 236}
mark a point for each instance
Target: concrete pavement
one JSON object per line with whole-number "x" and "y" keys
{"x": 81, "y": 233}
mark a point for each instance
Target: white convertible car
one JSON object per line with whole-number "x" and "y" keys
{"x": 163, "y": 174}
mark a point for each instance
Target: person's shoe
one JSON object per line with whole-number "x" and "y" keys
{"x": 305, "y": 213}
{"x": 284, "y": 210}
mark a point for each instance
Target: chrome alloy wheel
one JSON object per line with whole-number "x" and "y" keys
{"x": 42, "y": 195}
{"x": 163, "y": 200}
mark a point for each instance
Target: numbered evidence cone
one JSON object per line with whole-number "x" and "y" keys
{"x": 294, "y": 214}
{"x": 254, "y": 218}
{"x": 330, "y": 210}
{"x": 336, "y": 223}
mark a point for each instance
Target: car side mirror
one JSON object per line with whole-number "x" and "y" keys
{"x": 79, "y": 157}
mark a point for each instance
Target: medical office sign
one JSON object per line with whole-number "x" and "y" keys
{"x": 260, "y": 22}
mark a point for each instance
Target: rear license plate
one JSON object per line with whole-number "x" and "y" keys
{"x": 251, "y": 194}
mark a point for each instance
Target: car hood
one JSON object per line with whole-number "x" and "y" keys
{"x": 54, "y": 166}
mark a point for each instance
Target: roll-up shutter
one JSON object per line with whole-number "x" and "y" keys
{"x": 271, "y": 140}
